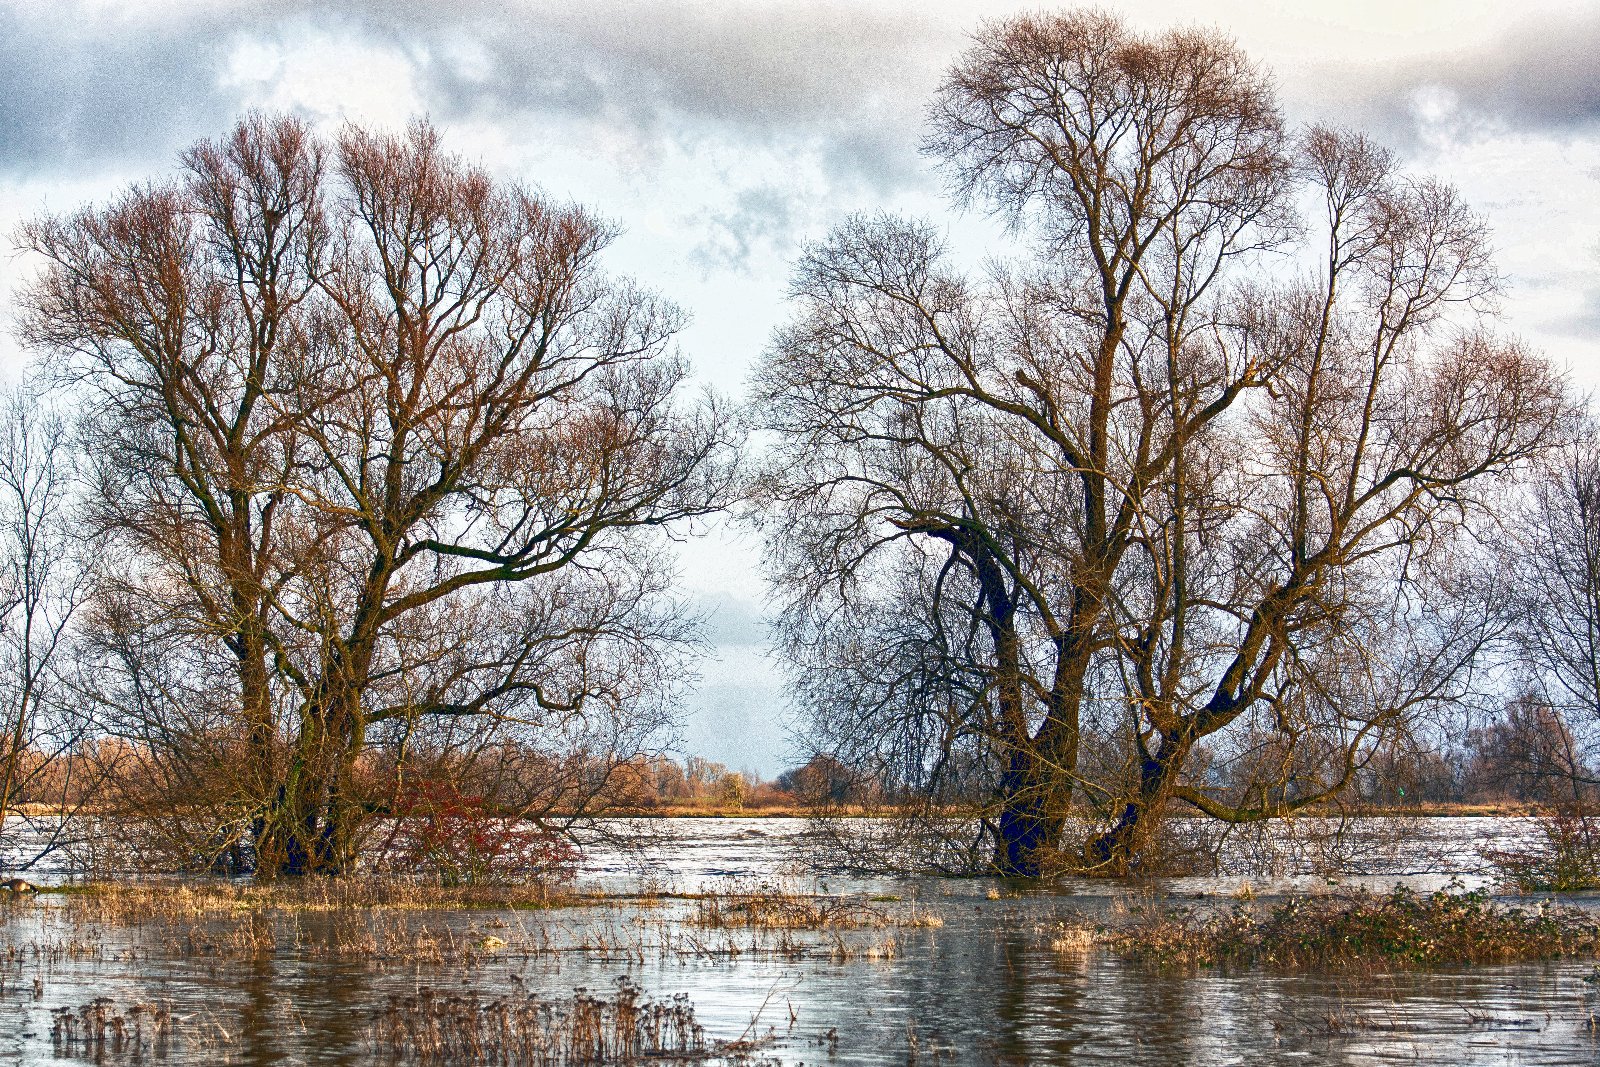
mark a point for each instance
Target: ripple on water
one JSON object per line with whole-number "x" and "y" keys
{"x": 984, "y": 988}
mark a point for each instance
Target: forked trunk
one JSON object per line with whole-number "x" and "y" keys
{"x": 310, "y": 828}
{"x": 1124, "y": 849}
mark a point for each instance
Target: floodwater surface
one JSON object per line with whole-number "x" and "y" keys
{"x": 988, "y": 983}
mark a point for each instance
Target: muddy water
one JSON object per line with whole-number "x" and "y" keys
{"x": 986, "y": 987}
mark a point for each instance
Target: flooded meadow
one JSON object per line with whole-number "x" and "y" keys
{"x": 719, "y": 944}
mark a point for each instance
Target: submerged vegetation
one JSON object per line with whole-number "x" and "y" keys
{"x": 479, "y": 974}
{"x": 624, "y": 1028}
{"x": 391, "y": 922}
{"x": 1342, "y": 931}
{"x": 775, "y": 907}
{"x": 100, "y": 1031}
{"x": 198, "y": 897}
{"x": 1563, "y": 855}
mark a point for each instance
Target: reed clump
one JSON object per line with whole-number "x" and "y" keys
{"x": 625, "y": 1027}
{"x": 1357, "y": 929}
{"x": 769, "y": 906}
{"x": 99, "y": 1030}
{"x": 1072, "y": 937}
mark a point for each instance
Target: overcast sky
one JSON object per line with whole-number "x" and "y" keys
{"x": 723, "y": 135}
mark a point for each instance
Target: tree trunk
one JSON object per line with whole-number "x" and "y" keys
{"x": 310, "y": 827}
{"x": 1028, "y": 833}
{"x": 1037, "y": 784}
{"x": 1124, "y": 848}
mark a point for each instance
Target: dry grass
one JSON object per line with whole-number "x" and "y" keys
{"x": 385, "y": 923}
{"x": 1069, "y": 937}
{"x": 375, "y": 920}
{"x": 365, "y": 920}
{"x": 1348, "y": 931}
{"x": 626, "y": 1027}
{"x": 769, "y": 906}
{"x": 194, "y": 898}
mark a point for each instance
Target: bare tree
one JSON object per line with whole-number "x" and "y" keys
{"x": 1529, "y": 753}
{"x": 45, "y": 582}
{"x": 384, "y": 430}
{"x": 172, "y": 307}
{"x": 1551, "y": 552}
{"x": 1052, "y": 528}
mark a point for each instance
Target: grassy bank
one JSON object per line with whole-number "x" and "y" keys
{"x": 199, "y": 897}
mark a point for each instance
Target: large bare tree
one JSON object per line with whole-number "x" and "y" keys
{"x": 1044, "y": 533}
{"x": 499, "y": 438}
{"x": 380, "y": 429}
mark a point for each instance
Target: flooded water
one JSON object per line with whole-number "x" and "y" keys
{"x": 985, "y": 987}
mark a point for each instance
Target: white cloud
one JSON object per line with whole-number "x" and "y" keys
{"x": 325, "y": 77}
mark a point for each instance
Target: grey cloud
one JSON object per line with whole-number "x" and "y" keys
{"x": 1583, "y": 323}
{"x": 1543, "y": 77}
{"x": 761, "y": 219}
{"x": 732, "y": 621}
{"x": 81, "y": 87}
{"x": 830, "y": 80}
{"x": 79, "y": 92}
{"x": 1538, "y": 78}
{"x": 816, "y": 68}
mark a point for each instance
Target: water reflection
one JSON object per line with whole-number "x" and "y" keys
{"x": 986, "y": 988}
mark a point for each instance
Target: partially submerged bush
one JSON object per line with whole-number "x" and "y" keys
{"x": 464, "y": 838}
{"x": 1563, "y": 857}
{"x": 1401, "y": 928}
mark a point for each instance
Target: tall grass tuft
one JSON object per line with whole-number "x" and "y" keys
{"x": 99, "y": 1030}
{"x": 769, "y": 906}
{"x": 627, "y": 1027}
